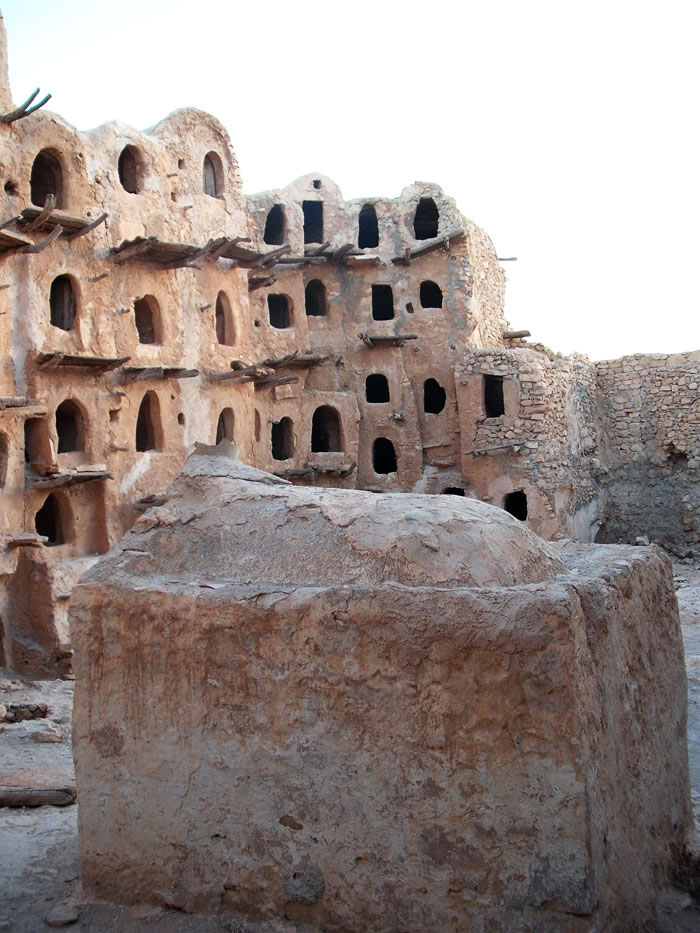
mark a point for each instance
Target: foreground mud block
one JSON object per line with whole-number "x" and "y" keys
{"x": 376, "y": 712}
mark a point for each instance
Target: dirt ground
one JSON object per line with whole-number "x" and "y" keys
{"x": 39, "y": 864}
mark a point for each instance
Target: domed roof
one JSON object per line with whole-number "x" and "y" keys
{"x": 226, "y": 522}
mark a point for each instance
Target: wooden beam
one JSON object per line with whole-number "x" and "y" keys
{"x": 37, "y": 247}
{"x": 24, "y": 109}
{"x": 43, "y": 215}
{"x": 140, "y": 245}
{"x": 88, "y": 228}
{"x": 515, "y": 334}
{"x": 372, "y": 340}
{"x": 442, "y": 243}
{"x": 261, "y": 281}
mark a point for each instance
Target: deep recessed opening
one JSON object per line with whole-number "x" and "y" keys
{"x": 377, "y": 388}
{"x": 453, "y": 491}
{"x": 275, "y": 225}
{"x": 37, "y": 445}
{"x": 11, "y": 188}
{"x": 148, "y": 428}
{"x": 516, "y": 503}
{"x": 430, "y": 295}
{"x": 62, "y": 304}
{"x": 181, "y": 417}
{"x": 224, "y": 426}
{"x": 224, "y": 320}
{"x": 279, "y": 311}
{"x": 368, "y": 228}
{"x": 130, "y": 169}
{"x": 383, "y": 456}
{"x": 493, "y": 396}
{"x": 282, "y": 439}
{"x": 315, "y": 298}
{"x": 326, "y": 434}
{"x": 317, "y": 183}
{"x": 48, "y": 521}
{"x": 212, "y": 175}
{"x": 4, "y": 458}
{"x": 434, "y": 397}
{"x": 382, "y": 302}
{"x": 426, "y": 219}
{"x": 313, "y": 221}
{"x": 70, "y": 427}
{"x": 147, "y": 319}
{"x": 46, "y": 179}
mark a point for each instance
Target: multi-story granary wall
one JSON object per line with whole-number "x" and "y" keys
{"x": 147, "y": 304}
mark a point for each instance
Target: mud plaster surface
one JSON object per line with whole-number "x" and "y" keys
{"x": 39, "y": 866}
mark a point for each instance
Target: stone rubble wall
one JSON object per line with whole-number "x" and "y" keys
{"x": 650, "y": 411}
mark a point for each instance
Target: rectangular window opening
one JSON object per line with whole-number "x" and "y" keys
{"x": 382, "y": 303}
{"x": 313, "y": 221}
{"x": 493, "y": 396}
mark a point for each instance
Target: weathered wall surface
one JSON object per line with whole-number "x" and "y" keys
{"x": 394, "y": 749}
{"x": 650, "y": 407}
{"x": 544, "y": 444}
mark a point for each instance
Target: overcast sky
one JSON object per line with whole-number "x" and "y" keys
{"x": 568, "y": 131}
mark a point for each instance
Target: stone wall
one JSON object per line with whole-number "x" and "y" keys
{"x": 650, "y": 411}
{"x": 544, "y": 444}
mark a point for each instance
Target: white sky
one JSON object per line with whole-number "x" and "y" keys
{"x": 568, "y": 130}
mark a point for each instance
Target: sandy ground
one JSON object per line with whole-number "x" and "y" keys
{"x": 39, "y": 864}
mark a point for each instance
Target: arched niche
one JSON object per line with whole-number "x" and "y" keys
{"x": 70, "y": 427}
{"x": 213, "y": 175}
{"x": 326, "y": 430}
{"x": 426, "y": 219}
{"x": 46, "y": 179}
{"x": 275, "y": 226}
{"x": 149, "y": 431}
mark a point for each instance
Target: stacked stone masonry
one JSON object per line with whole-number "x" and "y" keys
{"x": 147, "y": 304}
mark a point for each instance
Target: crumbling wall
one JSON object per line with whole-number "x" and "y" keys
{"x": 543, "y": 444}
{"x": 650, "y": 408}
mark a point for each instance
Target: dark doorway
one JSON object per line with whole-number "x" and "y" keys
{"x": 516, "y": 504}
{"x": 453, "y": 491}
{"x": 377, "y": 388}
{"x": 69, "y": 427}
{"x": 383, "y": 456}
{"x": 148, "y": 423}
{"x": 278, "y": 309}
{"x": 282, "y": 439}
{"x": 315, "y": 298}
{"x": 313, "y": 221}
{"x": 425, "y": 221}
{"x": 46, "y": 179}
{"x": 275, "y": 226}
{"x": 382, "y": 302}
{"x": 62, "y": 303}
{"x": 224, "y": 426}
{"x": 146, "y": 319}
{"x": 493, "y": 396}
{"x": 368, "y": 228}
{"x": 433, "y": 397}
{"x": 430, "y": 295}
{"x": 48, "y": 523}
{"x": 129, "y": 174}
{"x": 325, "y": 430}
{"x": 224, "y": 320}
